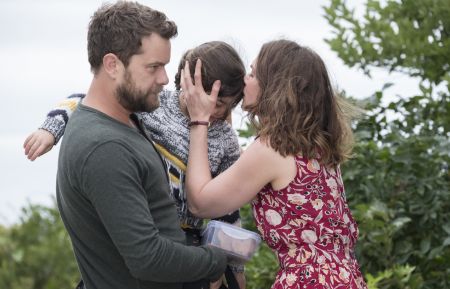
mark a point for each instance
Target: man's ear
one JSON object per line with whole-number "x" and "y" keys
{"x": 111, "y": 64}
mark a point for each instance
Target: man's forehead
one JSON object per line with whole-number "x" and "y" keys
{"x": 155, "y": 50}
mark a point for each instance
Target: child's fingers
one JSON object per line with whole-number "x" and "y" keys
{"x": 33, "y": 151}
{"x": 29, "y": 142}
{"x": 39, "y": 150}
{"x": 25, "y": 143}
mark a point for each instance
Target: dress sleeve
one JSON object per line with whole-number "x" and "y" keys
{"x": 57, "y": 118}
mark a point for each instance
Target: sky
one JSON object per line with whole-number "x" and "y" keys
{"x": 44, "y": 59}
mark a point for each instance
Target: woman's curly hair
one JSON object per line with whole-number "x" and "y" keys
{"x": 297, "y": 111}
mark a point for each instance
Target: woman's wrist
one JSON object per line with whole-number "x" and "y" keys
{"x": 199, "y": 122}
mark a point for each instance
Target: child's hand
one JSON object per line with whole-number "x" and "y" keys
{"x": 240, "y": 278}
{"x": 38, "y": 143}
{"x": 216, "y": 284}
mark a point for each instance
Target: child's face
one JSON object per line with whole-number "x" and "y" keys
{"x": 222, "y": 109}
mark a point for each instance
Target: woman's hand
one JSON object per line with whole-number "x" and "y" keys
{"x": 200, "y": 104}
{"x": 38, "y": 143}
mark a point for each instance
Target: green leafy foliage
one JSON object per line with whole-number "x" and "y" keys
{"x": 406, "y": 35}
{"x": 36, "y": 253}
{"x": 398, "y": 181}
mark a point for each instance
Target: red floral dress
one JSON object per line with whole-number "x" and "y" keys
{"x": 310, "y": 228}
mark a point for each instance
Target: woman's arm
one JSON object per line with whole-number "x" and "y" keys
{"x": 237, "y": 185}
{"x": 231, "y": 189}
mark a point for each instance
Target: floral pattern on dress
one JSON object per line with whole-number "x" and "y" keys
{"x": 310, "y": 228}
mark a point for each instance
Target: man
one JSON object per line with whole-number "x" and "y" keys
{"x": 112, "y": 188}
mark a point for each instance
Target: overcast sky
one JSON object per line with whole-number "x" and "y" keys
{"x": 44, "y": 59}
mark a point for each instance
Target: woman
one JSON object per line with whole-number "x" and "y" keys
{"x": 290, "y": 172}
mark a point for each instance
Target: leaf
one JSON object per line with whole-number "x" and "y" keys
{"x": 387, "y": 85}
{"x": 400, "y": 222}
{"x": 446, "y": 228}
{"x": 425, "y": 245}
{"x": 446, "y": 242}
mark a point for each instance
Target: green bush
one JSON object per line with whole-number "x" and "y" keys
{"x": 398, "y": 182}
{"x": 36, "y": 253}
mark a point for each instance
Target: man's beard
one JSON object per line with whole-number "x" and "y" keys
{"x": 135, "y": 100}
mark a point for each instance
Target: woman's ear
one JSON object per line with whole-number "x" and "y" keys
{"x": 111, "y": 64}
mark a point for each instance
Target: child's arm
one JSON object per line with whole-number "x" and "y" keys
{"x": 50, "y": 132}
{"x": 240, "y": 278}
{"x": 38, "y": 143}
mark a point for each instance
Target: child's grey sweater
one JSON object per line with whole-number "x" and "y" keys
{"x": 168, "y": 127}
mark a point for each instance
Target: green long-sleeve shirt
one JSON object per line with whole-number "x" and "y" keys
{"x": 112, "y": 193}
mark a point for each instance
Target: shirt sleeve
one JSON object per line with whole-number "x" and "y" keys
{"x": 114, "y": 186}
{"x": 57, "y": 118}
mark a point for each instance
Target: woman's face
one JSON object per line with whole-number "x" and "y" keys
{"x": 251, "y": 89}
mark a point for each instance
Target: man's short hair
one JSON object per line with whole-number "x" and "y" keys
{"x": 119, "y": 28}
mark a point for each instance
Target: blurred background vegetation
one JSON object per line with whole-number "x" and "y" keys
{"x": 397, "y": 183}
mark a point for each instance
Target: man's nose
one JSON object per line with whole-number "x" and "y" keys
{"x": 163, "y": 79}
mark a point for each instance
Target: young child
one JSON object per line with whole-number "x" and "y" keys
{"x": 169, "y": 128}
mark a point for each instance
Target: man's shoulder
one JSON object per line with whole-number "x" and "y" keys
{"x": 92, "y": 126}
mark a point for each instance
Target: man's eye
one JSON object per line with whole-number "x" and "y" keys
{"x": 153, "y": 68}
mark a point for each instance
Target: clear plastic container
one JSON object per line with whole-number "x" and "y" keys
{"x": 238, "y": 243}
